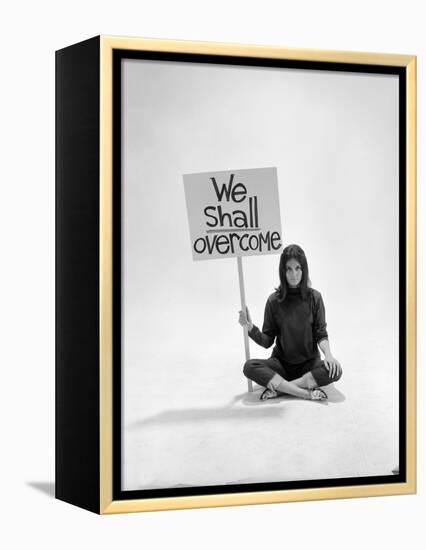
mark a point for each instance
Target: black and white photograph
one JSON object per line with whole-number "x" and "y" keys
{"x": 260, "y": 272}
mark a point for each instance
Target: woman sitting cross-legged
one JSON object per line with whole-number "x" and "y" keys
{"x": 295, "y": 320}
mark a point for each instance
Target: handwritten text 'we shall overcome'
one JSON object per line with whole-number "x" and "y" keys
{"x": 234, "y": 230}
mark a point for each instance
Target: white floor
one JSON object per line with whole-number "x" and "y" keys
{"x": 194, "y": 423}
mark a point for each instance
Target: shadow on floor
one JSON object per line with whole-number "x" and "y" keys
{"x": 253, "y": 408}
{"x": 46, "y": 487}
{"x": 252, "y": 399}
{"x": 226, "y": 412}
{"x": 334, "y": 395}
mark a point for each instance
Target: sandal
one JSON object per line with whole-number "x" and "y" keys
{"x": 268, "y": 394}
{"x": 317, "y": 394}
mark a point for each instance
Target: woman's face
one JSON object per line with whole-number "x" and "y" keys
{"x": 293, "y": 273}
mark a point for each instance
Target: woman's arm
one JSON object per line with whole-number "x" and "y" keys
{"x": 332, "y": 364}
{"x": 321, "y": 336}
{"x": 261, "y": 338}
{"x": 320, "y": 324}
{"x": 264, "y": 338}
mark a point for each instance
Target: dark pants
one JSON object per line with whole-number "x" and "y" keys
{"x": 262, "y": 370}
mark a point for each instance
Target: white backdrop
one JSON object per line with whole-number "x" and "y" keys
{"x": 30, "y": 34}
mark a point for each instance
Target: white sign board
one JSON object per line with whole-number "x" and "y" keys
{"x": 233, "y": 213}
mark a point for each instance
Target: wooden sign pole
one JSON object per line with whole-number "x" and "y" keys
{"x": 243, "y": 308}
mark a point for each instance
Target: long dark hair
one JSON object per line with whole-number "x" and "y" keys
{"x": 293, "y": 251}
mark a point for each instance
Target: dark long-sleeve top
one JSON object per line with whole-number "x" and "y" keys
{"x": 296, "y": 325}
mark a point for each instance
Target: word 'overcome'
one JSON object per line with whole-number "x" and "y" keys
{"x": 236, "y": 226}
{"x": 245, "y": 242}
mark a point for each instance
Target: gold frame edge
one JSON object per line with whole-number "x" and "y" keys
{"x": 105, "y": 276}
{"x": 107, "y": 505}
{"x": 253, "y": 50}
{"x": 265, "y": 497}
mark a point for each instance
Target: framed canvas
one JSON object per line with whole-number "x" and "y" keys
{"x": 235, "y": 274}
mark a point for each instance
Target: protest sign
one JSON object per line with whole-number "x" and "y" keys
{"x": 233, "y": 213}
